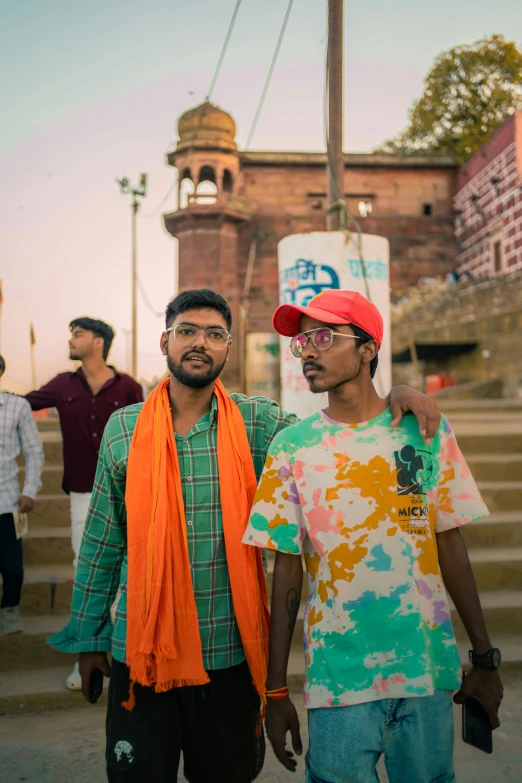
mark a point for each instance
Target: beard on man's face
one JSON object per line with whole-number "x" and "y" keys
{"x": 194, "y": 380}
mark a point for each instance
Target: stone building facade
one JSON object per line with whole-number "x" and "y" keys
{"x": 471, "y": 330}
{"x": 488, "y": 205}
{"x": 235, "y": 206}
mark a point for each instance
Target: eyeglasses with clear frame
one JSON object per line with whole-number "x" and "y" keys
{"x": 321, "y": 337}
{"x": 187, "y": 334}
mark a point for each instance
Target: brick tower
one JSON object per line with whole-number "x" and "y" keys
{"x": 242, "y": 200}
{"x": 212, "y": 224}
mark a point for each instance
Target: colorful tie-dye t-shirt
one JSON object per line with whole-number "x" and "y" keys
{"x": 363, "y": 504}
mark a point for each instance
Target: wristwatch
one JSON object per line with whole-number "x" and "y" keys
{"x": 489, "y": 660}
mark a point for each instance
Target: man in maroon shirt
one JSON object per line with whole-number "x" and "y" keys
{"x": 85, "y": 400}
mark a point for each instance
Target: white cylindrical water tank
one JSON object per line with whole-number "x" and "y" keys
{"x": 311, "y": 263}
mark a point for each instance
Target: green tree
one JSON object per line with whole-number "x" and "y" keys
{"x": 468, "y": 93}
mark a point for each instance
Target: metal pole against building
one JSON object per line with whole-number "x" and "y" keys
{"x": 335, "y": 65}
{"x": 244, "y": 311}
{"x": 140, "y": 190}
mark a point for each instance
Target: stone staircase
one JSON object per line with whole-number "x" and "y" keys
{"x": 32, "y": 675}
{"x": 490, "y": 435}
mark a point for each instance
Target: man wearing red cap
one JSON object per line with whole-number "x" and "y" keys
{"x": 376, "y": 511}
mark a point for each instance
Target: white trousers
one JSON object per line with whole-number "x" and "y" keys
{"x": 79, "y": 508}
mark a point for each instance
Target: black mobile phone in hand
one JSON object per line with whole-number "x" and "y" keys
{"x": 476, "y": 728}
{"x": 95, "y": 685}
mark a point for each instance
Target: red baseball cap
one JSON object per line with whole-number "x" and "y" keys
{"x": 333, "y": 307}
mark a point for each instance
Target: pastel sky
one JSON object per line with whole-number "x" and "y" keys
{"x": 92, "y": 91}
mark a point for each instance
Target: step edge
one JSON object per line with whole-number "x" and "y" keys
{"x": 43, "y": 532}
{"x": 497, "y": 518}
{"x": 499, "y": 485}
{"x": 49, "y": 467}
{"x": 62, "y": 496}
{"x": 478, "y": 554}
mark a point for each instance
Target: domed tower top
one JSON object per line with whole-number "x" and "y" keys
{"x": 206, "y": 127}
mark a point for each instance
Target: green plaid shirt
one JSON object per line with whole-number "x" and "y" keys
{"x": 102, "y": 566}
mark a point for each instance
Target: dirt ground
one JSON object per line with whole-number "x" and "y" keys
{"x": 67, "y": 746}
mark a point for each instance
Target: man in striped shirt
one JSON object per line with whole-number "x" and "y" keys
{"x": 18, "y": 432}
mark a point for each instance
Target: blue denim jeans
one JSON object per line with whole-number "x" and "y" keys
{"x": 415, "y": 735}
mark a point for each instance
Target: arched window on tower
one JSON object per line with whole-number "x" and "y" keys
{"x": 228, "y": 181}
{"x": 186, "y": 188}
{"x": 207, "y": 174}
{"x": 206, "y": 191}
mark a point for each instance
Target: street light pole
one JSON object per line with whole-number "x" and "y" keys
{"x": 335, "y": 112}
{"x": 140, "y": 190}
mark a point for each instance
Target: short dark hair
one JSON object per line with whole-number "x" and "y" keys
{"x": 99, "y": 328}
{"x": 364, "y": 337}
{"x": 2, "y": 364}
{"x": 197, "y": 300}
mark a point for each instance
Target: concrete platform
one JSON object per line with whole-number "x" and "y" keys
{"x": 48, "y": 545}
{"x": 68, "y": 746}
{"x": 498, "y": 569}
{"x": 47, "y": 588}
{"x": 496, "y": 467}
{"x": 52, "y": 445}
{"x": 502, "y": 613}
{"x": 479, "y": 438}
{"x": 495, "y": 404}
{"x": 51, "y": 479}
{"x": 28, "y": 650}
{"x": 51, "y": 511}
{"x": 499, "y": 530}
{"x": 501, "y": 495}
{"x": 40, "y": 689}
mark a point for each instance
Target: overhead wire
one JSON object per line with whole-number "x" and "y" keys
{"x": 217, "y": 71}
{"x": 208, "y": 96}
{"x": 146, "y": 299}
{"x": 202, "y": 115}
{"x": 223, "y": 50}
{"x": 165, "y": 198}
{"x": 269, "y": 75}
{"x": 338, "y": 191}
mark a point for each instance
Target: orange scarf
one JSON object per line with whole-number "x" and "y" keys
{"x": 163, "y": 641}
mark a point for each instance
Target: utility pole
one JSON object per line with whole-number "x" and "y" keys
{"x": 335, "y": 112}
{"x": 127, "y": 333}
{"x": 140, "y": 190}
{"x": 244, "y": 311}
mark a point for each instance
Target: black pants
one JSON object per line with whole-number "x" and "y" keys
{"x": 11, "y": 562}
{"x": 214, "y": 725}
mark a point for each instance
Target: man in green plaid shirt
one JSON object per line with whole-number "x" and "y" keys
{"x": 213, "y": 725}
{"x": 104, "y": 547}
